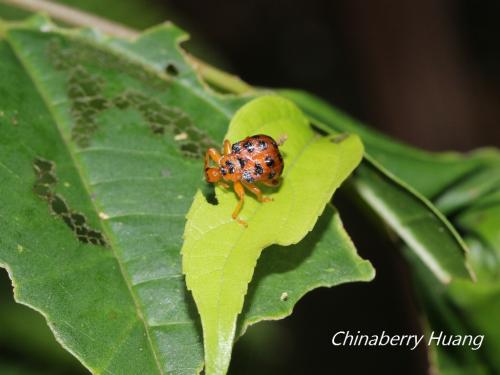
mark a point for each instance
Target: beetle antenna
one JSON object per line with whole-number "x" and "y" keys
{"x": 282, "y": 139}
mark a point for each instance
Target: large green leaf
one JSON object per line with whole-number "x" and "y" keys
{"x": 100, "y": 156}
{"x": 404, "y": 209}
{"x": 219, "y": 254}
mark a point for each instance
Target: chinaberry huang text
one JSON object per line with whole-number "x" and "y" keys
{"x": 346, "y": 338}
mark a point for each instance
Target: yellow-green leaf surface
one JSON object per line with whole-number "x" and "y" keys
{"x": 219, "y": 255}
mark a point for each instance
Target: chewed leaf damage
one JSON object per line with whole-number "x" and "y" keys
{"x": 44, "y": 188}
{"x": 86, "y": 93}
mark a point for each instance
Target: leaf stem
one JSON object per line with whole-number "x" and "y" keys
{"x": 218, "y": 78}
{"x": 74, "y": 17}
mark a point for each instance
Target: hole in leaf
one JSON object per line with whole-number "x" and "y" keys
{"x": 58, "y": 205}
{"x": 87, "y": 101}
{"x": 172, "y": 70}
{"x": 78, "y": 219}
{"x": 44, "y": 188}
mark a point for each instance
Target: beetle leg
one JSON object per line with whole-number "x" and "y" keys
{"x": 240, "y": 191}
{"x": 223, "y": 184}
{"x": 254, "y": 189}
{"x": 271, "y": 183}
{"x": 213, "y": 154}
{"x": 227, "y": 147}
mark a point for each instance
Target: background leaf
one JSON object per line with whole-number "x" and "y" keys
{"x": 428, "y": 173}
{"x": 424, "y": 229}
{"x": 219, "y": 255}
{"x": 472, "y": 307}
{"x": 413, "y": 217}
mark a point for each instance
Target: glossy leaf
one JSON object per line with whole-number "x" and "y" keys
{"x": 219, "y": 254}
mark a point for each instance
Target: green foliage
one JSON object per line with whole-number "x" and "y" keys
{"x": 423, "y": 228}
{"x": 101, "y": 142}
{"x": 380, "y": 182}
{"x": 465, "y": 307}
{"x": 427, "y": 173}
{"x": 219, "y": 254}
{"x": 465, "y": 187}
{"x": 100, "y": 156}
{"x": 391, "y": 180}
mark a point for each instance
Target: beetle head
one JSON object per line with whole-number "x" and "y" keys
{"x": 212, "y": 174}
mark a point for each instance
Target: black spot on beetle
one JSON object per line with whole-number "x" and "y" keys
{"x": 263, "y": 145}
{"x": 247, "y": 176}
{"x": 269, "y": 161}
{"x": 242, "y": 162}
{"x": 249, "y": 146}
{"x": 258, "y": 169}
{"x": 271, "y": 175}
{"x": 231, "y": 170}
{"x": 229, "y": 163}
{"x": 223, "y": 171}
{"x": 236, "y": 148}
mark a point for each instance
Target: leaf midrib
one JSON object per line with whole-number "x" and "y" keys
{"x": 308, "y": 144}
{"x": 72, "y": 153}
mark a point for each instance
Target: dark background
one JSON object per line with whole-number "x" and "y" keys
{"x": 426, "y": 72}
